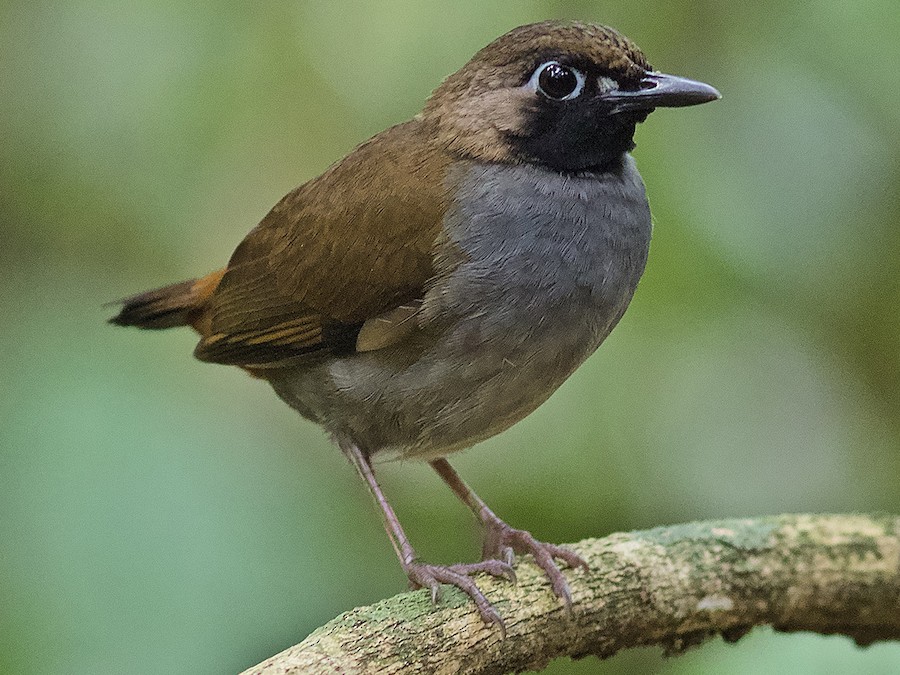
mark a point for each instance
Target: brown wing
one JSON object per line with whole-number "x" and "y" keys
{"x": 348, "y": 246}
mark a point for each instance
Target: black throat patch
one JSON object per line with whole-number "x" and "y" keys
{"x": 574, "y": 136}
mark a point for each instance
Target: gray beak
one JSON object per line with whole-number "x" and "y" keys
{"x": 657, "y": 90}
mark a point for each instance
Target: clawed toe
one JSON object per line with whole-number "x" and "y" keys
{"x": 571, "y": 558}
{"x": 496, "y": 568}
{"x": 501, "y": 541}
{"x": 432, "y": 576}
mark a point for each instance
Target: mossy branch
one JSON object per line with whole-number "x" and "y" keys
{"x": 670, "y": 586}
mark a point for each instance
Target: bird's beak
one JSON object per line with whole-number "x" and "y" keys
{"x": 657, "y": 90}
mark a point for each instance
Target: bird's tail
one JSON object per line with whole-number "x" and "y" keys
{"x": 182, "y": 304}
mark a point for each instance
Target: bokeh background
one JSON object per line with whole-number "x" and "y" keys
{"x": 161, "y": 515}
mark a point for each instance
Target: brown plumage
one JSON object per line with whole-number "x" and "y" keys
{"x": 181, "y": 304}
{"x": 324, "y": 260}
{"x": 327, "y": 257}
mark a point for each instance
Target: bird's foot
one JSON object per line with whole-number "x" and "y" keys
{"x": 502, "y": 542}
{"x": 422, "y": 575}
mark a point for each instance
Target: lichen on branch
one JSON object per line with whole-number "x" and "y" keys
{"x": 670, "y": 586}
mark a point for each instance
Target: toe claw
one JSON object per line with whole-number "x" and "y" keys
{"x": 432, "y": 576}
{"x": 490, "y": 617}
{"x": 503, "y": 541}
{"x": 558, "y": 583}
{"x": 565, "y": 595}
{"x": 494, "y": 619}
{"x": 571, "y": 558}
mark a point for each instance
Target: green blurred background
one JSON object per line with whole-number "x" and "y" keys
{"x": 161, "y": 515}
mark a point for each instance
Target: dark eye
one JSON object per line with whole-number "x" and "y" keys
{"x": 557, "y": 81}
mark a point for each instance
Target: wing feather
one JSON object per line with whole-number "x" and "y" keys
{"x": 348, "y": 246}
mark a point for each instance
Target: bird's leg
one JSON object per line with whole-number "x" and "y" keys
{"x": 502, "y": 541}
{"x": 423, "y": 575}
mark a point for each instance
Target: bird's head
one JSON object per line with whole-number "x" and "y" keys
{"x": 563, "y": 95}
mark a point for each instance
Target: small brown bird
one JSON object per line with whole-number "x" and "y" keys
{"x": 437, "y": 284}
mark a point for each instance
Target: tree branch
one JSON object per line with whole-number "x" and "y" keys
{"x": 671, "y": 586}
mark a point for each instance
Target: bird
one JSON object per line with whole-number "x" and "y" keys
{"x": 442, "y": 280}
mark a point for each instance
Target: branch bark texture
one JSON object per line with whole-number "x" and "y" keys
{"x": 671, "y": 586}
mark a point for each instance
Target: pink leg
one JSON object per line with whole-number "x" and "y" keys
{"x": 422, "y": 575}
{"x": 501, "y": 541}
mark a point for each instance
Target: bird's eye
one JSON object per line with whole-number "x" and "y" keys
{"x": 557, "y": 82}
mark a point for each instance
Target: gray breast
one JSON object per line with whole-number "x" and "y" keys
{"x": 535, "y": 270}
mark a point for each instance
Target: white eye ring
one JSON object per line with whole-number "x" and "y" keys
{"x": 545, "y": 88}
